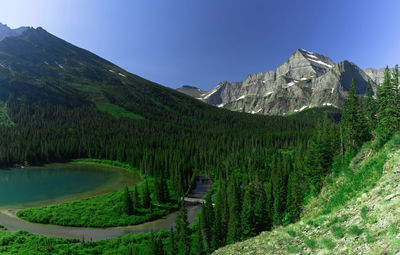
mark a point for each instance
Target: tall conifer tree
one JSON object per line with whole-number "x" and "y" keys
{"x": 387, "y": 106}
{"x": 182, "y": 231}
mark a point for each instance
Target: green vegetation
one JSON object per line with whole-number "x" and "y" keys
{"x": 4, "y": 118}
{"x": 265, "y": 169}
{"x": 347, "y": 229}
{"x": 355, "y": 230}
{"x": 23, "y": 242}
{"x": 328, "y": 243}
{"x": 112, "y": 209}
{"x": 337, "y": 232}
{"x": 364, "y": 212}
{"x": 117, "y": 111}
{"x": 101, "y": 211}
{"x": 355, "y": 177}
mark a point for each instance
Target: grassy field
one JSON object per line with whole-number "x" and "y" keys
{"x": 100, "y": 211}
{"x": 117, "y": 111}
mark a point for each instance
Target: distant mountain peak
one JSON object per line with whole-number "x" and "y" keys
{"x": 306, "y": 79}
{"x": 6, "y": 31}
{"x": 192, "y": 91}
{"x": 189, "y": 87}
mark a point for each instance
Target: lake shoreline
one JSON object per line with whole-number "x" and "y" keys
{"x": 122, "y": 178}
{"x": 14, "y": 223}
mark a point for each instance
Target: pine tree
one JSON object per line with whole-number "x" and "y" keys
{"x": 355, "y": 129}
{"x": 182, "y": 231}
{"x": 146, "y": 196}
{"x": 261, "y": 217}
{"x": 200, "y": 249}
{"x": 136, "y": 198}
{"x": 269, "y": 204}
{"x": 219, "y": 227}
{"x": 164, "y": 190}
{"x": 370, "y": 108}
{"x": 172, "y": 244}
{"x": 248, "y": 224}
{"x": 207, "y": 219}
{"x": 279, "y": 189}
{"x": 128, "y": 205}
{"x": 157, "y": 192}
{"x": 396, "y": 87}
{"x": 155, "y": 245}
{"x": 233, "y": 234}
{"x": 387, "y": 106}
{"x": 295, "y": 195}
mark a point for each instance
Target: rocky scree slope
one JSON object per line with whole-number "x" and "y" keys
{"x": 367, "y": 223}
{"x": 305, "y": 80}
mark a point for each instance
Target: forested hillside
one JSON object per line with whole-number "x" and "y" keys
{"x": 353, "y": 185}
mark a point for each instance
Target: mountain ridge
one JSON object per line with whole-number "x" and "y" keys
{"x": 6, "y": 31}
{"x": 306, "y": 79}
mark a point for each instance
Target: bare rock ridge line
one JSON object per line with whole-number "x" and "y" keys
{"x": 5, "y": 31}
{"x": 305, "y": 80}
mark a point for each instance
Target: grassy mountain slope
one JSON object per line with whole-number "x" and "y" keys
{"x": 356, "y": 212}
{"x": 40, "y": 66}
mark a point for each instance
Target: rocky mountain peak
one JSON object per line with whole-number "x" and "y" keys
{"x": 6, "y": 31}
{"x": 306, "y": 79}
{"x": 305, "y": 64}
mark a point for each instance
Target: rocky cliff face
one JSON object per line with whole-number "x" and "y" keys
{"x": 305, "y": 80}
{"x": 376, "y": 75}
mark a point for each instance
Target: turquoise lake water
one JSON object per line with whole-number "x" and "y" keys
{"x": 35, "y": 184}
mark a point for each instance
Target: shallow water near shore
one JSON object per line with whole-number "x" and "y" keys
{"x": 24, "y": 187}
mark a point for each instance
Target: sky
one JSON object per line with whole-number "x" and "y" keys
{"x": 204, "y": 42}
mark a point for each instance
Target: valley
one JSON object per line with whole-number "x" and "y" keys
{"x": 95, "y": 159}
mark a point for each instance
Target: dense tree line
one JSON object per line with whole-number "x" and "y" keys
{"x": 256, "y": 200}
{"x": 365, "y": 118}
{"x": 170, "y": 148}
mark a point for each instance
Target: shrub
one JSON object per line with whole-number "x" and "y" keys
{"x": 328, "y": 243}
{"x": 355, "y": 230}
{"x": 364, "y": 212}
{"x": 337, "y": 231}
{"x": 310, "y": 243}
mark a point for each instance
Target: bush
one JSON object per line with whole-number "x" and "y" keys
{"x": 364, "y": 212}
{"x": 328, "y": 243}
{"x": 337, "y": 231}
{"x": 355, "y": 230}
{"x": 310, "y": 243}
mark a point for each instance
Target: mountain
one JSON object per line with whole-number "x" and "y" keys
{"x": 376, "y": 75}
{"x": 305, "y": 80}
{"x": 60, "y": 102}
{"x": 42, "y": 67}
{"x": 5, "y": 31}
{"x": 191, "y": 91}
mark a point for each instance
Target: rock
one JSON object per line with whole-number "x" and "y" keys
{"x": 5, "y": 31}
{"x": 305, "y": 80}
{"x": 192, "y": 91}
{"x": 391, "y": 196}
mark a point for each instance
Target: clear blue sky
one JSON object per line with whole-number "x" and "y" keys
{"x": 202, "y": 42}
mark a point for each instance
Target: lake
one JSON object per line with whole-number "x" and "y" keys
{"x": 13, "y": 223}
{"x": 30, "y": 185}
